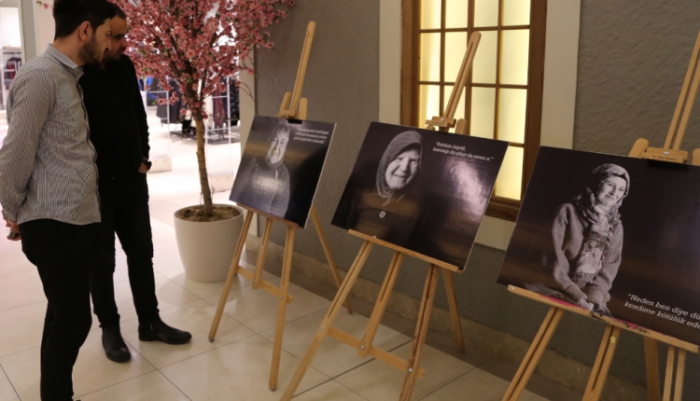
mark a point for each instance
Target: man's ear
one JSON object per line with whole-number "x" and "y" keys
{"x": 85, "y": 32}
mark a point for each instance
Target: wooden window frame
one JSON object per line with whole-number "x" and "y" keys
{"x": 410, "y": 79}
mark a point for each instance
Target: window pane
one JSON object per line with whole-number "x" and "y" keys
{"x": 430, "y": 14}
{"x": 429, "y": 103}
{"x": 514, "y": 56}
{"x": 485, "y": 12}
{"x": 510, "y": 179}
{"x": 430, "y": 57}
{"x": 456, "y": 13}
{"x": 455, "y": 48}
{"x": 483, "y": 112}
{"x": 460, "y": 111}
{"x": 516, "y": 12}
{"x": 484, "y": 69}
{"x": 511, "y": 115}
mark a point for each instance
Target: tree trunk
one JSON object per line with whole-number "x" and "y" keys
{"x": 201, "y": 158}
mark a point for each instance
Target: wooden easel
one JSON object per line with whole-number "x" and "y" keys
{"x": 673, "y": 389}
{"x": 365, "y": 345}
{"x": 293, "y": 107}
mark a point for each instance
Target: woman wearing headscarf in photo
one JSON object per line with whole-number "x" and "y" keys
{"x": 387, "y": 207}
{"x": 263, "y": 181}
{"x": 585, "y": 250}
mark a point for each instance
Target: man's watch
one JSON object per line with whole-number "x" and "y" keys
{"x": 147, "y": 162}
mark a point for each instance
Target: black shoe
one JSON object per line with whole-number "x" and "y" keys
{"x": 114, "y": 345}
{"x": 159, "y": 331}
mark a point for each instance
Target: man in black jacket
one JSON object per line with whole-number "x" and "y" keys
{"x": 119, "y": 131}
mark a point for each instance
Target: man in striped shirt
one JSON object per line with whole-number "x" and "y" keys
{"x": 48, "y": 182}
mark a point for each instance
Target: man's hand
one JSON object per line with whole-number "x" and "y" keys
{"x": 143, "y": 169}
{"x": 14, "y": 230}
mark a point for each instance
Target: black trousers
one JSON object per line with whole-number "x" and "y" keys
{"x": 63, "y": 255}
{"x": 124, "y": 211}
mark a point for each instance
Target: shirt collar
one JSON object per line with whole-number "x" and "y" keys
{"x": 69, "y": 64}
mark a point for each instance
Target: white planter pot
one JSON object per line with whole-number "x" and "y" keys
{"x": 206, "y": 248}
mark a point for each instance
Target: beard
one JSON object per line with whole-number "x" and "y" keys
{"x": 90, "y": 52}
{"x": 111, "y": 57}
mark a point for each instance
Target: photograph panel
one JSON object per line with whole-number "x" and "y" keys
{"x": 422, "y": 190}
{"x": 614, "y": 235}
{"x": 281, "y": 165}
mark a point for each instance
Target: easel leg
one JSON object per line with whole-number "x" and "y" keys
{"x": 651, "y": 354}
{"x": 668, "y": 380}
{"x": 262, "y": 254}
{"x": 282, "y": 307}
{"x": 454, "y": 309}
{"x": 328, "y": 320}
{"x": 421, "y": 333}
{"x": 327, "y": 251}
{"x": 532, "y": 358}
{"x": 674, "y": 391}
{"x": 381, "y": 304}
{"x": 235, "y": 262}
{"x": 680, "y": 376}
{"x": 602, "y": 364}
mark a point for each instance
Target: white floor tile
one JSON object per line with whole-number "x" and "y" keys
{"x": 5, "y": 244}
{"x": 258, "y": 310}
{"x": 20, "y": 290}
{"x": 13, "y": 261}
{"x": 334, "y": 357}
{"x": 7, "y": 393}
{"x": 195, "y": 317}
{"x": 21, "y": 328}
{"x": 478, "y": 385}
{"x": 377, "y": 381}
{"x": 331, "y": 390}
{"x": 237, "y": 372}
{"x": 92, "y": 371}
{"x": 149, "y": 387}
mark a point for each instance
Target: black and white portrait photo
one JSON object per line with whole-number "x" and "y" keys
{"x": 422, "y": 190}
{"x": 280, "y": 167}
{"x": 613, "y": 235}
{"x": 585, "y": 250}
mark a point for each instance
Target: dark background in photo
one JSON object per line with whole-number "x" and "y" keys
{"x": 303, "y": 159}
{"x": 448, "y": 198}
{"x": 661, "y": 220}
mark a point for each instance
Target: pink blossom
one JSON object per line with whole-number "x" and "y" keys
{"x": 161, "y": 101}
{"x": 177, "y": 40}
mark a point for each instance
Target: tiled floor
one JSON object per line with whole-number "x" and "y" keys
{"x": 236, "y": 365}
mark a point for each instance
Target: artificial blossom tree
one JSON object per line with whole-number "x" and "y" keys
{"x": 198, "y": 43}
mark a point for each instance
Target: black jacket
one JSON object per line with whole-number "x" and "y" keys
{"x": 118, "y": 126}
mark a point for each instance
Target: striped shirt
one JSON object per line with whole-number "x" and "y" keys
{"x": 47, "y": 163}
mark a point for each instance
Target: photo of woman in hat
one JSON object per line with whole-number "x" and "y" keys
{"x": 584, "y": 252}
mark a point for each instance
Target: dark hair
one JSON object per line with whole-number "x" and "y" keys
{"x": 70, "y": 14}
{"x": 115, "y": 10}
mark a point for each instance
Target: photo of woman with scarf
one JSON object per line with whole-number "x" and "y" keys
{"x": 281, "y": 166}
{"x": 585, "y": 250}
{"x": 421, "y": 190}
{"x": 264, "y": 181}
{"x": 388, "y": 208}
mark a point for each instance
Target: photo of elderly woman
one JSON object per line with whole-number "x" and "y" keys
{"x": 585, "y": 252}
{"x": 387, "y": 207}
{"x": 408, "y": 182}
{"x": 267, "y": 178}
{"x": 614, "y": 235}
{"x": 264, "y": 181}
